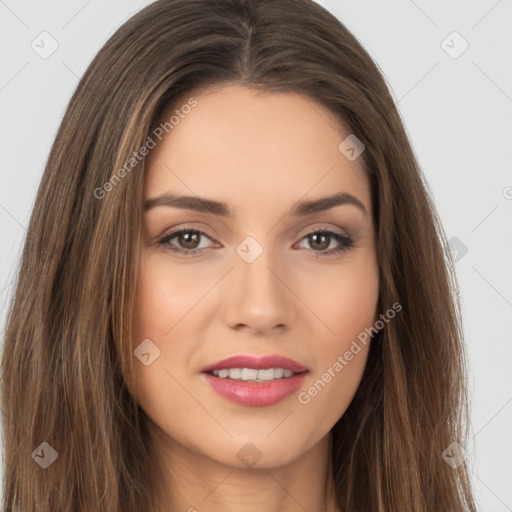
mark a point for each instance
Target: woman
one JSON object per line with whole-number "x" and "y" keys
{"x": 233, "y": 293}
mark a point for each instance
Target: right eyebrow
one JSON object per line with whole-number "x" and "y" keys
{"x": 198, "y": 204}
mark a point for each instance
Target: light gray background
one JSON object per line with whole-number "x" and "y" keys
{"x": 457, "y": 112}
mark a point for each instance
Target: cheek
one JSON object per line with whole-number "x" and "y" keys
{"x": 354, "y": 305}
{"x": 347, "y": 307}
{"x": 345, "y": 299}
{"x": 161, "y": 301}
{"x": 167, "y": 293}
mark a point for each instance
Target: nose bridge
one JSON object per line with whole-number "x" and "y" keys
{"x": 258, "y": 297}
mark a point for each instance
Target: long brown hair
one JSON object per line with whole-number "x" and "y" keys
{"x": 64, "y": 364}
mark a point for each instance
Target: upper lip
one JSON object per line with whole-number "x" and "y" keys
{"x": 257, "y": 362}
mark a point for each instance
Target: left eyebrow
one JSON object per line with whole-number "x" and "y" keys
{"x": 325, "y": 203}
{"x": 217, "y": 208}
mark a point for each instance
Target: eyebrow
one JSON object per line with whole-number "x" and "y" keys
{"x": 300, "y": 209}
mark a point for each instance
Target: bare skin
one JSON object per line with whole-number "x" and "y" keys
{"x": 260, "y": 153}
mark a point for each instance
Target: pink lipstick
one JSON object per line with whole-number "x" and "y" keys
{"x": 255, "y": 381}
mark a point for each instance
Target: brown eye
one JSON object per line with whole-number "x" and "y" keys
{"x": 320, "y": 241}
{"x": 187, "y": 241}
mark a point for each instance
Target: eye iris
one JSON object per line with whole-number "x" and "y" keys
{"x": 189, "y": 239}
{"x": 320, "y": 245}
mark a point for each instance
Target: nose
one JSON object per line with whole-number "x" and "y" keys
{"x": 259, "y": 296}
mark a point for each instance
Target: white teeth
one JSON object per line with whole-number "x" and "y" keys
{"x": 249, "y": 374}
{"x": 246, "y": 374}
{"x": 266, "y": 374}
{"x": 235, "y": 373}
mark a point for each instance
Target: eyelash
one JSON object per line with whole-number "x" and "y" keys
{"x": 345, "y": 240}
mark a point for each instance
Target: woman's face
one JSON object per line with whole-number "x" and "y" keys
{"x": 257, "y": 278}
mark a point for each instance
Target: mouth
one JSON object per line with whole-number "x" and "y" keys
{"x": 255, "y": 381}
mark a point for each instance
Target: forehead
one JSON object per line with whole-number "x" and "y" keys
{"x": 244, "y": 146}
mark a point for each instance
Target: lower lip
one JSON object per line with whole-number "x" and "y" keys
{"x": 255, "y": 394}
